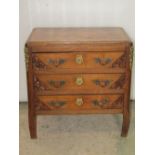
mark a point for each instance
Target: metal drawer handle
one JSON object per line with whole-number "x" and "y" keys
{"x": 57, "y": 84}
{"x": 79, "y": 81}
{"x": 101, "y": 103}
{"x": 56, "y": 62}
{"x": 57, "y": 103}
{"x": 102, "y": 83}
{"x": 79, "y": 59}
{"x": 79, "y": 101}
{"x": 103, "y": 61}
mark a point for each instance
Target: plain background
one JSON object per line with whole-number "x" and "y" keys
{"x": 71, "y": 13}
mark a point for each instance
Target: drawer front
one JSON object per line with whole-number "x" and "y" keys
{"x": 78, "y": 60}
{"x": 76, "y": 83}
{"x": 79, "y": 102}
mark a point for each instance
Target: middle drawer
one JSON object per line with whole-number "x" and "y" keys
{"x": 76, "y": 83}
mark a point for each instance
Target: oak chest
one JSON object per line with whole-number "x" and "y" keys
{"x": 78, "y": 71}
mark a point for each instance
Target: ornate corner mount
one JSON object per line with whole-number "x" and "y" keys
{"x": 26, "y": 57}
{"x": 131, "y": 56}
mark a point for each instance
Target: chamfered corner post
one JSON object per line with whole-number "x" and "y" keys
{"x": 126, "y": 108}
{"x": 32, "y": 118}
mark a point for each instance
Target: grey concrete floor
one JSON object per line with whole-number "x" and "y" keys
{"x": 77, "y": 135}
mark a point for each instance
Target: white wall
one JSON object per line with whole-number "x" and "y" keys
{"x": 52, "y": 13}
{"x": 24, "y": 31}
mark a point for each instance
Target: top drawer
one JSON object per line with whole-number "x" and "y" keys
{"x": 78, "y": 61}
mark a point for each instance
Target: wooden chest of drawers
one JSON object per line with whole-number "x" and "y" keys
{"x": 78, "y": 71}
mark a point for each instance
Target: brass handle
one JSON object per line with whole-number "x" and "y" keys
{"x": 57, "y": 84}
{"x": 79, "y": 101}
{"x": 79, "y": 59}
{"x": 57, "y": 103}
{"x": 103, "y": 61}
{"x": 79, "y": 81}
{"x": 101, "y": 103}
{"x": 102, "y": 83}
{"x": 56, "y": 62}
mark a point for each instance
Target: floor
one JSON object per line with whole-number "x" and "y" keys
{"x": 77, "y": 135}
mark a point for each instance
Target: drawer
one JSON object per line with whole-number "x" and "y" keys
{"x": 78, "y": 60}
{"x": 79, "y": 83}
{"x": 79, "y": 102}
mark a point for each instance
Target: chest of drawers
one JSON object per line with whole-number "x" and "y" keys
{"x": 78, "y": 71}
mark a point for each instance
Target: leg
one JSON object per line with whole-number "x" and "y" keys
{"x": 33, "y": 125}
{"x": 126, "y": 116}
{"x": 125, "y": 125}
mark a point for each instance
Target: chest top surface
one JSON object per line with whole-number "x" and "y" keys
{"x": 78, "y": 35}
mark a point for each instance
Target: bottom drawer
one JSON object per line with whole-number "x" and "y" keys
{"x": 78, "y": 102}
